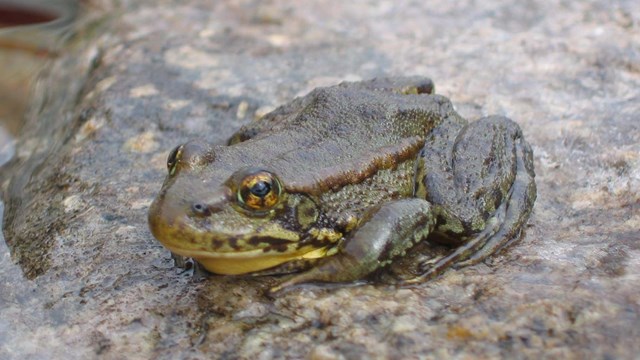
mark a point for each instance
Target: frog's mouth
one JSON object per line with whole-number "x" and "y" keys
{"x": 242, "y": 262}
{"x": 228, "y": 250}
{"x": 237, "y": 254}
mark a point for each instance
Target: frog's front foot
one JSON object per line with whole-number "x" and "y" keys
{"x": 388, "y": 231}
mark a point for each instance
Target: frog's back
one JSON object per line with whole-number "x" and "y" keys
{"x": 343, "y": 134}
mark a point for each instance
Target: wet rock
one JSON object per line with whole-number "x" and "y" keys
{"x": 83, "y": 277}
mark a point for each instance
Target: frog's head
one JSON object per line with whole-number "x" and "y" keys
{"x": 232, "y": 221}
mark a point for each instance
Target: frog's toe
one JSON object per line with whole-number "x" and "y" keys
{"x": 286, "y": 284}
{"x": 330, "y": 272}
{"x": 432, "y": 268}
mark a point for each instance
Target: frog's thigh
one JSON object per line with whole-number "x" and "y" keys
{"x": 518, "y": 206}
{"x": 386, "y": 233}
{"x": 480, "y": 180}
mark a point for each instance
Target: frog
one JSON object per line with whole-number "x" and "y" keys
{"x": 337, "y": 184}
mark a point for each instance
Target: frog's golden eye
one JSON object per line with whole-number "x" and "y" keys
{"x": 259, "y": 191}
{"x": 174, "y": 157}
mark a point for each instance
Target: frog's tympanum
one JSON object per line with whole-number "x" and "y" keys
{"x": 345, "y": 179}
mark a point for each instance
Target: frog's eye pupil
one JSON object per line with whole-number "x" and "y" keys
{"x": 260, "y": 189}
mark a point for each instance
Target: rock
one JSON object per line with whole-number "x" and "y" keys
{"x": 83, "y": 277}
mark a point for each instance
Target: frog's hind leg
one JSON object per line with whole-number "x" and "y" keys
{"x": 479, "y": 177}
{"x": 517, "y": 211}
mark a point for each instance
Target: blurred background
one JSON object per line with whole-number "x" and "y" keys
{"x": 31, "y": 32}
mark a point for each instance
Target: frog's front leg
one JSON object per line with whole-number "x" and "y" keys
{"x": 386, "y": 232}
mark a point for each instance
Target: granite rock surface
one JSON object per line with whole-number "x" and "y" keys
{"x": 83, "y": 277}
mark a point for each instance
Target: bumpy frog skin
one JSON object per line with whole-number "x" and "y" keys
{"x": 343, "y": 180}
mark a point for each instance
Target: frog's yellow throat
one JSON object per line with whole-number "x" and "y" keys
{"x": 235, "y": 263}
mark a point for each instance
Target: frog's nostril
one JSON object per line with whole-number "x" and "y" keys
{"x": 200, "y": 209}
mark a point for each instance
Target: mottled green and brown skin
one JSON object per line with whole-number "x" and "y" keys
{"x": 345, "y": 179}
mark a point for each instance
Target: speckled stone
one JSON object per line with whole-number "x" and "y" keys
{"x": 82, "y": 277}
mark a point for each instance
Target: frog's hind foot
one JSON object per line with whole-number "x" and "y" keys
{"x": 432, "y": 267}
{"x": 521, "y": 198}
{"x": 505, "y": 224}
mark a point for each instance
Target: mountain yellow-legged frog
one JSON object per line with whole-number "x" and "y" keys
{"x": 345, "y": 179}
